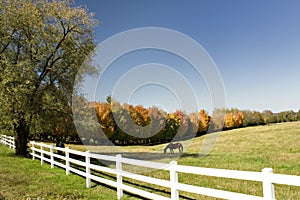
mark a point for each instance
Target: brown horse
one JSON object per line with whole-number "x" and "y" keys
{"x": 173, "y": 146}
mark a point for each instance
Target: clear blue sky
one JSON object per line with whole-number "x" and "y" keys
{"x": 254, "y": 43}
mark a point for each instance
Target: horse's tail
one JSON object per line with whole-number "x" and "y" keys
{"x": 181, "y": 147}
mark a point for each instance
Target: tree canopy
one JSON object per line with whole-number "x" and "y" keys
{"x": 43, "y": 44}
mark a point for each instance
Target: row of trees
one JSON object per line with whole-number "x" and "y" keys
{"x": 127, "y": 124}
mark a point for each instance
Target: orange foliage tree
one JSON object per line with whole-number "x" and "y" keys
{"x": 234, "y": 119}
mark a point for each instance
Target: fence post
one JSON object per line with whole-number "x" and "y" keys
{"x": 51, "y": 156}
{"x": 119, "y": 176}
{"x": 87, "y": 168}
{"x": 4, "y": 140}
{"x": 13, "y": 143}
{"x": 174, "y": 180}
{"x": 10, "y": 142}
{"x": 32, "y": 149}
{"x": 268, "y": 187}
{"x": 42, "y": 154}
{"x": 67, "y": 160}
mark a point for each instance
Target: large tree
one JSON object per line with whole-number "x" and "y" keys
{"x": 43, "y": 44}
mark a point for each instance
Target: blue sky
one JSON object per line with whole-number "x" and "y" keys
{"x": 255, "y": 45}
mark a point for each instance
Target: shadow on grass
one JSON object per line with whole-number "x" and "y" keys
{"x": 152, "y": 156}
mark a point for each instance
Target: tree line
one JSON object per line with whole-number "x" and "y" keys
{"x": 125, "y": 124}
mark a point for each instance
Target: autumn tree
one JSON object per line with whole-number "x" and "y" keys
{"x": 43, "y": 44}
{"x": 140, "y": 115}
{"x": 157, "y": 124}
{"x": 176, "y": 125}
{"x": 234, "y": 119}
{"x": 204, "y": 121}
{"x": 105, "y": 118}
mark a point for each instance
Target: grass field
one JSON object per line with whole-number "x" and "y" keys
{"x": 252, "y": 149}
{"x": 22, "y": 178}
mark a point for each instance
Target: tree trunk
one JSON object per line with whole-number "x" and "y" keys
{"x": 22, "y": 133}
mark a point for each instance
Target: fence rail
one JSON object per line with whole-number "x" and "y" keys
{"x": 84, "y": 167}
{"x": 8, "y": 141}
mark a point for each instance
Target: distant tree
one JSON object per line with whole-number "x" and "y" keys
{"x": 204, "y": 121}
{"x": 269, "y": 117}
{"x": 194, "y": 119}
{"x": 157, "y": 124}
{"x": 183, "y": 129}
{"x": 248, "y": 121}
{"x": 42, "y": 46}
{"x": 105, "y": 118}
{"x": 252, "y": 118}
{"x": 108, "y": 99}
{"x": 287, "y": 116}
{"x": 234, "y": 119}
{"x": 140, "y": 115}
{"x": 218, "y": 119}
{"x": 172, "y": 125}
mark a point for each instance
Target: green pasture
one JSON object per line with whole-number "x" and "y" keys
{"x": 276, "y": 146}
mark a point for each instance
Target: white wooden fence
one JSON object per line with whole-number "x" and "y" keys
{"x": 8, "y": 141}
{"x": 46, "y": 153}
{"x": 267, "y": 177}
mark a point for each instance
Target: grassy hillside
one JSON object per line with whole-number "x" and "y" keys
{"x": 276, "y": 146}
{"x": 253, "y": 148}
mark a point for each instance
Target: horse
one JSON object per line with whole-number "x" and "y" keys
{"x": 173, "y": 146}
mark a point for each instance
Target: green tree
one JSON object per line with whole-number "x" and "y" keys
{"x": 43, "y": 44}
{"x": 269, "y": 117}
